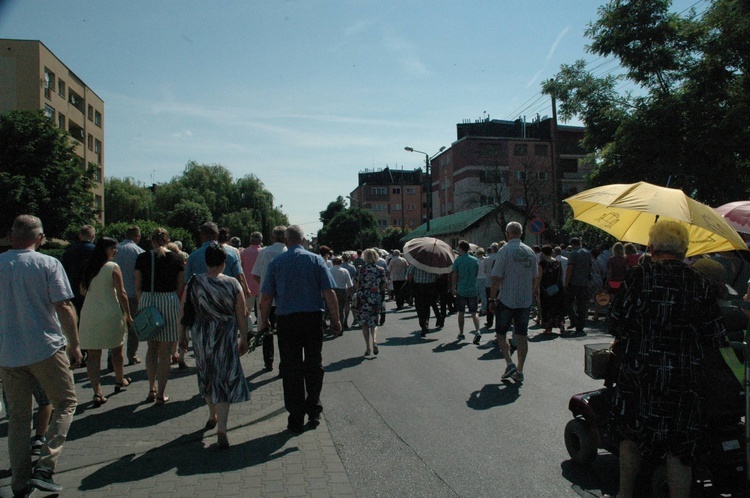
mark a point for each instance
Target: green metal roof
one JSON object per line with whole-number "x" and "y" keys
{"x": 453, "y": 223}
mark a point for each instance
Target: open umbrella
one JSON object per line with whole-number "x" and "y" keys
{"x": 627, "y": 211}
{"x": 737, "y": 214}
{"x": 429, "y": 254}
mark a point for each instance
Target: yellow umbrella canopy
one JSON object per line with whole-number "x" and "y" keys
{"x": 627, "y": 211}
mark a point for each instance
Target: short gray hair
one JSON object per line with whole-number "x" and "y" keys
{"x": 256, "y": 238}
{"x": 294, "y": 234}
{"x": 26, "y": 227}
{"x": 278, "y": 233}
{"x": 514, "y": 228}
{"x": 670, "y": 237}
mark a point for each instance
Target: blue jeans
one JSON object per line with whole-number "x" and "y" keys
{"x": 504, "y": 316}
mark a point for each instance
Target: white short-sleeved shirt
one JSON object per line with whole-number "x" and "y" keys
{"x": 30, "y": 285}
{"x": 516, "y": 264}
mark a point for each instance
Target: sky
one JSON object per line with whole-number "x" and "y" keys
{"x": 303, "y": 94}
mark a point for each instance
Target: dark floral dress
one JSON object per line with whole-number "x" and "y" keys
{"x": 370, "y": 280}
{"x": 664, "y": 317}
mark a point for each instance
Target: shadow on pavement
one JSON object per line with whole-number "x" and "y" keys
{"x": 189, "y": 456}
{"x": 593, "y": 480}
{"x": 492, "y": 395}
{"x": 450, "y": 346}
{"x": 124, "y": 416}
{"x": 410, "y": 340}
{"x": 544, "y": 337}
{"x": 491, "y": 353}
{"x": 345, "y": 363}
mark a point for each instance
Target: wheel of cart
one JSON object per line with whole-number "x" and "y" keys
{"x": 580, "y": 441}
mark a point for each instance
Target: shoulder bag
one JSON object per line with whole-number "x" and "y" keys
{"x": 148, "y": 321}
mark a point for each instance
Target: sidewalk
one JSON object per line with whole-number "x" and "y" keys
{"x": 128, "y": 447}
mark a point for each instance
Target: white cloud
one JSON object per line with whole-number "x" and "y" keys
{"x": 550, "y": 54}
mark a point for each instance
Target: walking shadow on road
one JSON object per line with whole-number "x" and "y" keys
{"x": 588, "y": 480}
{"x": 188, "y": 455}
{"x": 493, "y": 395}
{"x": 450, "y": 346}
{"x": 345, "y": 363}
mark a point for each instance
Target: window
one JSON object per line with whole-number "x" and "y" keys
{"x": 97, "y": 146}
{"x": 494, "y": 176}
{"x": 410, "y": 207}
{"x": 61, "y": 88}
{"x": 397, "y": 207}
{"x": 520, "y": 176}
{"x": 397, "y": 223}
{"x": 90, "y": 141}
{"x": 98, "y": 118}
{"x": 383, "y": 223}
{"x": 76, "y": 100}
{"x": 396, "y": 190}
{"x": 49, "y": 83}
{"x": 411, "y": 190}
{"x": 378, "y": 191}
{"x": 542, "y": 175}
{"x": 96, "y": 172}
{"x": 98, "y": 203}
{"x": 91, "y": 113}
{"x": 49, "y": 111}
{"x": 521, "y": 150}
{"x": 540, "y": 150}
{"x": 61, "y": 120}
{"x": 379, "y": 207}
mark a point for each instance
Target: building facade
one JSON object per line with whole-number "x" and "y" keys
{"x": 395, "y": 197}
{"x": 532, "y": 166}
{"x": 33, "y": 78}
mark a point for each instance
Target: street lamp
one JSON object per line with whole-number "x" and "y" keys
{"x": 427, "y": 160}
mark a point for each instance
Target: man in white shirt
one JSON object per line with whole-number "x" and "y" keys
{"x": 344, "y": 288}
{"x": 512, "y": 294}
{"x": 127, "y": 252}
{"x": 397, "y": 268}
{"x": 265, "y": 256}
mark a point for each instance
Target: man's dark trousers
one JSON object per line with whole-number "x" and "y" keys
{"x": 424, "y": 297}
{"x": 578, "y": 305}
{"x": 300, "y": 348}
{"x": 268, "y": 350}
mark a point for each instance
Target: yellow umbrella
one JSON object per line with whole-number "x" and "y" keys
{"x": 627, "y": 212}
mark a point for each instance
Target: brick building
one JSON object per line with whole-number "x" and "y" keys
{"x": 395, "y": 197}
{"x": 493, "y": 162}
{"x": 33, "y": 78}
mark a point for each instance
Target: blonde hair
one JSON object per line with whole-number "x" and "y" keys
{"x": 160, "y": 236}
{"x": 669, "y": 237}
{"x": 371, "y": 255}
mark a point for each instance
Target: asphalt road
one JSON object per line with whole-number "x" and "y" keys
{"x": 431, "y": 417}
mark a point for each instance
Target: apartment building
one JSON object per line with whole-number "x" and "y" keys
{"x": 395, "y": 197}
{"x": 31, "y": 78}
{"x": 532, "y": 166}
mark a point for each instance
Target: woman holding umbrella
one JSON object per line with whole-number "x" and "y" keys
{"x": 664, "y": 318}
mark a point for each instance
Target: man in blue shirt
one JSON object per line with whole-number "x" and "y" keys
{"x": 196, "y": 263}
{"x": 302, "y": 285}
{"x": 127, "y": 252}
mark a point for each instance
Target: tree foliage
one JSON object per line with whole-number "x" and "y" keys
{"x": 126, "y": 199}
{"x": 118, "y": 230}
{"x": 688, "y": 119}
{"x": 202, "y": 193}
{"x": 353, "y": 228}
{"x": 332, "y": 210}
{"x": 391, "y": 238}
{"x": 41, "y": 175}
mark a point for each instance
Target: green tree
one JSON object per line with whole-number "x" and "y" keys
{"x": 189, "y": 216}
{"x": 391, "y": 238}
{"x": 332, "y": 210}
{"x": 353, "y": 228}
{"x": 688, "y": 123}
{"x": 117, "y": 231}
{"x": 241, "y": 224}
{"x": 41, "y": 175}
{"x": 126, "y": 199}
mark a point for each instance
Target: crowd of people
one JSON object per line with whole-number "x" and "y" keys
{"x": 219, "y": 296}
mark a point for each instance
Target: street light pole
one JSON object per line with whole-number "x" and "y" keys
{"x": 427, "y": 160}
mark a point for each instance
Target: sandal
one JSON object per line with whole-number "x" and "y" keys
{"x": 119, "y": 386}
{"x": 99, "y": 400}
{"x": 151, "y": 396}
{"x": 160, "y": 401}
